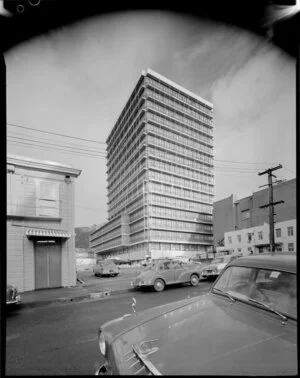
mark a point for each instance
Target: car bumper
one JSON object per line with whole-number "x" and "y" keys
{"x": 104, "y": 369}
{"x": 138, "y": 284}
{"x": 15, "y": 301}
{"x": 209, "y": 274}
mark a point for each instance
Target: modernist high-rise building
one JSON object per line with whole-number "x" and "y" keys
{"x": 160, "y": 173}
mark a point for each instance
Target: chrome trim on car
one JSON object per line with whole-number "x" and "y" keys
{"x": 148, "y": 364}
{"x": 104, "y": 369}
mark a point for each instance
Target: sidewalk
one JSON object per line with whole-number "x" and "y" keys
{"x": 92, "y": 288}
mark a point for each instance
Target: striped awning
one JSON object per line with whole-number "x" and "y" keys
{"x": 38, "y": 232}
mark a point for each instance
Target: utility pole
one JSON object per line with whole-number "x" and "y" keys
{"x": 271, "y": 204}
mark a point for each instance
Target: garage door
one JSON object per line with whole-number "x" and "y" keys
{"x": 47, "y": 265}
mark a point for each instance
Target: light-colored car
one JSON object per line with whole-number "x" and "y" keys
{"x": 246, "y": 325}
{"x": 106, "y": 268}
{"x": 12, "y": 296}
{"x": 217, "y": 265}
{"x": 166, "y": 272}
{"x": 183, "y": 259}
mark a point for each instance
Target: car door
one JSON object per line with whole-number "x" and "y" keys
{"x": 167, "y": 272}
{"x": 179, "y": 271}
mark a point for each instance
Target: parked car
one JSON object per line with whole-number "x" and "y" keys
{"x": 195, "y": 260}
{"x": 12, "y": 296}
{"x": 166, "y": 272}
{"x": 245, "y": 325}
{"x": 183, "y": 259}
{"x": 106, "y": 268}
{"x": 217, "y": 265}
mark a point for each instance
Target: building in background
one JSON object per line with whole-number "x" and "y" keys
{"x": 40, "y": 223}
{"x": 85, "y": 259}
{"x": 230, "y": 214}
{"x": 160, "y": 175}
{"x": 256, "y": 240}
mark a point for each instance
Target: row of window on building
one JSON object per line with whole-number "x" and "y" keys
{"x": 290, "y": 232}
{"x": 173, "y": 137}
{"x": 126, "y": 121}
{"x": 184, "y": 98}
{"x": 180, "y": 192}
{"x": 177, "y": 148}
{"x": 125, "y": 153}
{"x": 178, "y": 214}
{"x": 122, "y": 162}
{"x": 180, "y": 181}
{"x": 179, "y": 203}
{"x": 191, "y": 128}
{"x": 178, "y": 159}
{"x": 179, "y": 170}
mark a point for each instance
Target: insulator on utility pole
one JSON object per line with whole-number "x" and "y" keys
{"x": 271, "y": 204}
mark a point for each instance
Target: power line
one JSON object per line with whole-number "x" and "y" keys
{"x": 49, "y": 148}
{"x": 241, "y": 162}
{"x": 37, "y": 207}
{"x": 288, "y": 169}
{"x": 50, "y": 132}
{"x": 46, "y": 140}
{"x": 56, "y": 145}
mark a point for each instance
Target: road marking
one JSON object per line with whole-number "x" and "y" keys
{"x": 12, "y": 337}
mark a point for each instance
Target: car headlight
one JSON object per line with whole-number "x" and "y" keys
{"x": 102, "y": 343}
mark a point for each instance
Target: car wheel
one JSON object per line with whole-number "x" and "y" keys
{"x": 159, "y": 285}
{"x": 194, "y": 280}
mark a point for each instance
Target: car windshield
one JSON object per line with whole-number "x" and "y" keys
{"x": 107, "y": 264}
{"x": 273, "y": 288}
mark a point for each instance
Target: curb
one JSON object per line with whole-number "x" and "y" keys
{"x": 92, "y": 296}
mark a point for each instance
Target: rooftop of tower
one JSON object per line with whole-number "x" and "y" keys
{"x": 177, "y": 86}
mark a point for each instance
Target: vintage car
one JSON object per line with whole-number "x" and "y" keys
{"x": 166, "y": 272}
{"x": 195, "y": 260}
{"x": 106, "y": 268}
{"x": 217, "y": 265}
{"x": 245, "y": 325}
{"x": 12, "y": 296}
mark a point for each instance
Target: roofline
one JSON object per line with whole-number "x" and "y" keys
{"x": 266, "y": 262}
{"x": 177, "y": 86}
{"x": 42, "y": 165}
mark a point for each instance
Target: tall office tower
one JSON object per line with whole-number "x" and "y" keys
{"x": 160, "y": 174}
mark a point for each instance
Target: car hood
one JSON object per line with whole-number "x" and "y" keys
{"x": 209, "y": 335}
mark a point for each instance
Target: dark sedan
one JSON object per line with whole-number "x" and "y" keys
{"x": 245, "y": 325}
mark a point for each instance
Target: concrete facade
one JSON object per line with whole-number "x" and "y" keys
{"x": 40, "y": 209}
{"x": 255, "y": 240}
{"x": 160, "y": 174}
{"x": 230, "y": 214}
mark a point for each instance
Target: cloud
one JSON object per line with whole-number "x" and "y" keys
{"x": 245, "y": 95}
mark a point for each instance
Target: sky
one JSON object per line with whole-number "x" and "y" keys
{"x": 75, "y": 81}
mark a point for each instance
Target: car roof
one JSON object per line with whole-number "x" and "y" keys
{"x": 283, "y": 262}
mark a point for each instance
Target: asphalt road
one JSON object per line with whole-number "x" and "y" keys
{"x": 61, "y": 339}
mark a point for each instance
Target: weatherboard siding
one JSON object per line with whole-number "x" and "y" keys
{"x": 23, "y": 213}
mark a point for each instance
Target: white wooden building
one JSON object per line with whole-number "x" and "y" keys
{"x": 40, "y": 223}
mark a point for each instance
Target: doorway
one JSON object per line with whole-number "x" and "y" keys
{"x": 47, "y": 261}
